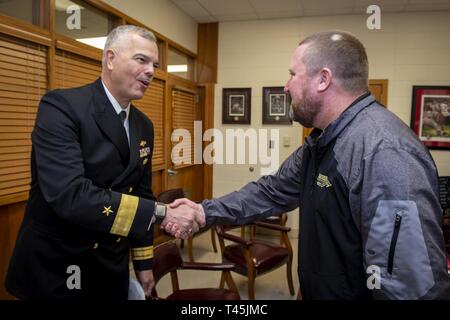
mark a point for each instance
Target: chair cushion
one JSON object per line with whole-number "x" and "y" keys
{"x": 204, "y": 294}
{"x": 266, "y": 256}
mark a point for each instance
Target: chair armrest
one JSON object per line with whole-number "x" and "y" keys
{"x": 244, "y": 242}
{"x": 208, "y": 266}
{"x": 271, "y": 226}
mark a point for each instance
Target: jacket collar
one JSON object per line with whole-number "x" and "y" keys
{"x": 330, "y": 133}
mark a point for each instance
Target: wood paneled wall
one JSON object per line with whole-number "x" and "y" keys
{"x": 10, "y": 220}
{"x": 207, "y": 61}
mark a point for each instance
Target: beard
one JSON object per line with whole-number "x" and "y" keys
{"x": 305, "y": 110}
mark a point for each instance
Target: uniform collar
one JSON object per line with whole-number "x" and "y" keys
{"x": 115, "y": 103}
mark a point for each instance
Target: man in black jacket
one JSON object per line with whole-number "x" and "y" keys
{"x": 365, "y": 185}
{"x": 90, "y": 199}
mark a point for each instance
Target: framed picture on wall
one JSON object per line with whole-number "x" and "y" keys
{"x": 276, "y": 104}
{"x": 430, "y": 115}
{"x": 236, "y": 105}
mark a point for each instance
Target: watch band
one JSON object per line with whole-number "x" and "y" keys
{"x": 160, "y": 212}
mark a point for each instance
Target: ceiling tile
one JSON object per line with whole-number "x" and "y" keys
{"x": 324, "y": 4}
{"x": 206, "y": 19}
{"x": 191, "y": 7}
{"x": 235, "y": 10}
{"x": 328, "y": 11}
{"x": 279, "y": 14}
{"x": 267, "y": 6}
{"x": 227, "y": 7}
{"x": 237, "y": 17}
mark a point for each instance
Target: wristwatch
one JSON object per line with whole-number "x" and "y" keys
{"x": 160, "y": 212}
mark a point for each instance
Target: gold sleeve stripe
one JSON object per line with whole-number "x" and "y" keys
{"x": 125, "y": 215}
{"x": 143, "y": 253}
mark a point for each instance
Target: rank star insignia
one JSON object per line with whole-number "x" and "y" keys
{"x": 143, "y": 143}
{"x": 107, "y": 210}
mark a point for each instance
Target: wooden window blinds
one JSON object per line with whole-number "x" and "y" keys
{"x": 23, "y": 80}
{"x": 183, "y": 116}
{"x": 152, "y": 104}
{"x": 73, "y": 70}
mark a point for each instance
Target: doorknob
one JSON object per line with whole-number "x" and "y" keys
{"x": 171, "y": 172}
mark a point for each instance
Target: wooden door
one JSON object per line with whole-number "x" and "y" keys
{"x": 181, "y": 170}
{"x": 377, "y": 87}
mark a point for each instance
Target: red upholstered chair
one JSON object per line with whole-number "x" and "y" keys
{"x": 169, "y": 196}
{"x": 256, "y": 257}
{"x": 167, "y": 259}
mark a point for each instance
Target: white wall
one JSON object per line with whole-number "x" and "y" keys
{"x": 162, "y": 16}
{"x": 410, "y": 49}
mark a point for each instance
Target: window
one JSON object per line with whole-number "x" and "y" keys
{"x": 83, "y": 22}
{"x": 180, "y": 64}
{"x": 30, "y": 11}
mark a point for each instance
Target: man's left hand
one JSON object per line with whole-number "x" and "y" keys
{"x": 145, "y": 278}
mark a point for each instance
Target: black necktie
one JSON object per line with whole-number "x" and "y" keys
{"x": 123, "y": 116}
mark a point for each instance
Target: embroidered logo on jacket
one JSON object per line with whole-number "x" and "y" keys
{"x": 322, "y": 181}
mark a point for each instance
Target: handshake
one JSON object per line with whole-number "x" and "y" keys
{"x": 183, "y": 218}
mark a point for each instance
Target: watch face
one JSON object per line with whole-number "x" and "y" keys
{"x": 161, "y": 210}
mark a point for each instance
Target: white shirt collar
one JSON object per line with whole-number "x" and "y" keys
{"x": 115, "y": 103}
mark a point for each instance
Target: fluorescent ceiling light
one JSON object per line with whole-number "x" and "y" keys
{"x": 98, "y": 42}
{"x": 177, "y": 68}
{"x": 62, "y": 5}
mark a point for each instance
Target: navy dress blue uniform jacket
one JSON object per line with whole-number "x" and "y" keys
{"x": 90, "y": 200}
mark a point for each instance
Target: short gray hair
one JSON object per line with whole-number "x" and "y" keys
{"x": 343, "y": 54}
{"x": 120, "y": 32}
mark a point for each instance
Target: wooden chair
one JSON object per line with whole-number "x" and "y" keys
{"x": 171, "y": 195}
{"x": 256, "y": 257}
{"x": 280, "y": 220}
{"x": 167, "y": 259}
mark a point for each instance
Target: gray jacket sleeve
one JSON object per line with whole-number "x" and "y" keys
{"x": 271, "y": 194}
{"x": 400, "y": 224}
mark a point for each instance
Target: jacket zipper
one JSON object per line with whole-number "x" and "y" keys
{"x": 397, "y": 223}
